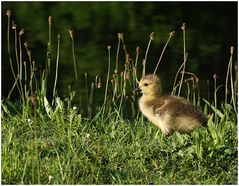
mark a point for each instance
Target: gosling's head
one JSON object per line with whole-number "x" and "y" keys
{"x": 150, "y": 85}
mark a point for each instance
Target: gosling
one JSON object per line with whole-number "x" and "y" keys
{"x": 169, "y": 113}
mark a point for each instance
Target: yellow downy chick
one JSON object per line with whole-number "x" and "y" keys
{"x": 169, "y": 113}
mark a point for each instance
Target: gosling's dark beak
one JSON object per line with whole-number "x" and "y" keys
{"x": 137, "y": 89}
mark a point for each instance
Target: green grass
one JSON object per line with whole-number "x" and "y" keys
{"x": 59, "y": 143}
{"x": 68, "y": 149}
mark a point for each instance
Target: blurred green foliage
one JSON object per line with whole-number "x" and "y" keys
{"x": 211, "y": 30}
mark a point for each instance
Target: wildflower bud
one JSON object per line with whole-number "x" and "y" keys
{"x": 21, "y": 32}
{"x": 109, "y": 47}
{"x": 24, "y": 63}
{"x": 171, "y": 33}
{"x": 14, "y": 26}
{"x": 71, "y": 33}
{"x": 183, "y": 27}
{"x": 99, "y": 85}
{"x": 49, "y": 20}
{"x": 58, "y": 36}
{"x": 232, "y": 49}
{"x": 137, "y": 49}
{"x": 26, "y": 45}
{"x": 120, "y": 35}
{"x": 116, "y": 71}
{"x": 215, "y": 76}
{"x": 8, "y": 13}
{"x": 50, "y": 178}
{"x": 152, "y": 36}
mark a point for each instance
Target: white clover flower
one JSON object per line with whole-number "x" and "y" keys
{"x": 75, "y": 107}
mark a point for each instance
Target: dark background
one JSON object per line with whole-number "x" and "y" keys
{"x": 211, "y": 30}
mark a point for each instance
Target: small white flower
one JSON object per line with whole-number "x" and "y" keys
{"x": 87, "y": 136}
{"x": 50, "y": 178}
{"x": 75, "y": 107}
{"x": 29, "y": 120}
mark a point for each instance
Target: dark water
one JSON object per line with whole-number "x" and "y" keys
{"x": 211, "y": 28}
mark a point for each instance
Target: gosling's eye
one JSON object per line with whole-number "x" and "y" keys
{"x": 146, "y": 84}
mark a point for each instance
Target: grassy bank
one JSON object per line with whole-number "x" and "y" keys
{"x": 67, "y": 149}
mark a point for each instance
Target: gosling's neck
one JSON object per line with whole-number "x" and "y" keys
{"x": 150, "y": 97}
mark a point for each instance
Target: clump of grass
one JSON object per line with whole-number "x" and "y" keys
{"x": 74, "y": 150}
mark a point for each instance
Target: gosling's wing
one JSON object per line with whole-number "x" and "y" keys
{"x": 177, "y": 107}
{"x": 187, "y": 109}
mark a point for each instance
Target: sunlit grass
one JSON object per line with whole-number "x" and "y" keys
{"x": 73, "y": 150}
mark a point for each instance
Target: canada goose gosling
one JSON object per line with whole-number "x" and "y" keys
{"x": 169, "y": 113}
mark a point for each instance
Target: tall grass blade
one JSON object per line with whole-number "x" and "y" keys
{"x": 171, "y": 34}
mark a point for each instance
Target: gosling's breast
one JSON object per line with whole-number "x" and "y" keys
{"x": 160, "y": 119}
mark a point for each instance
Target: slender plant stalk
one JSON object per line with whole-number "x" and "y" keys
{"x": 184, "y": 57}
{"x": 231, "y": 80}
{"x": 215, "y": 95}
{"x": 8, "y": 42}
{"x": 91, "y": 100}
{"x": 135, "y": 67}
{"x": 107, "y": 80}
{"x": 31, "y": 68}
{"x": 20, "y": 63}
{"x": 15, "y": 83}
{"x": 227, "y": 77}
{"x": 176, "y": 76}
{"x": 124, "y": 46}
{"x": 8, "y": 13}
{"x": 137, "y": 57}
{"x": 57, "y": 63}
{"x": 120, "y": 35}
{"x": 123, "y": 90}
{"x": 86, "y": 87}
{"x": 25, "y": 79}
{"x": 14, "y": 26}
{"x": 73, "y": 52}
{"x": 48, "y": 60}
{"x": 151, "y": 38}
{"x": 108, "y": 74}
{"x": 31, "y": 77}
{"x": 171, "y": 34}
{"x": 36, "y": 145}
{"x": 49, "y": 44}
